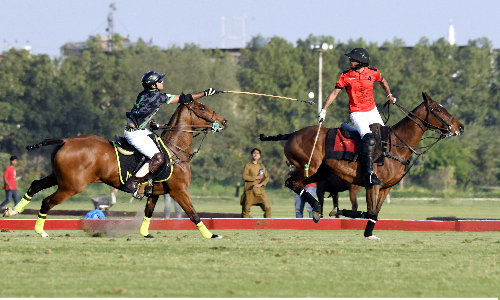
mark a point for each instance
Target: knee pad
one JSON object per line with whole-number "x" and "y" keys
{"x": 156, "y": 162}
{"x": 369, "y": 139}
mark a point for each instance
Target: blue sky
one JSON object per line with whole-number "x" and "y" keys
{"x": 47, "y": 25}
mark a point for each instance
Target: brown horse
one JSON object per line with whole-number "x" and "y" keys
{"x": 404, "y": 136}
{"x": 79, "y": 161}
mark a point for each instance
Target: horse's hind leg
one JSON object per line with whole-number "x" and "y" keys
{"x": 335, "y": 210}
{"x": 148, "y": 214}
{"x": 48, "y": 203}
{"x": 182, "y": 197}
{"x": 35, "y": 187}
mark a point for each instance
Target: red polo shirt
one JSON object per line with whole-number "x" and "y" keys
{"x": 10, "y": 176}
{"x": 359, "y": 88}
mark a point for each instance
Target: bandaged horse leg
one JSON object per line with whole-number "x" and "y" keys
{"x": 40, "y": 222}
{"x": 148, "y": 214}
{"x": 309, "y": 199}
{"x": 352, "y": 214}
{"x": 36, "y": 186}
{"x": 372, "y": 220}
{"x": 205, "y": 232}
{"x": 144, "y": 230}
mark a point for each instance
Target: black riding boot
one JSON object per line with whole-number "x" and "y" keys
{"x": 367, "y": 154}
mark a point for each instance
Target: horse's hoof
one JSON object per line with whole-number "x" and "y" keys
{"x": 149, "y": 236}
{"x": 216, "y": 236}
{"x": 372, "y": 237}
{"x": 334, "y": 212}
{"x": 44, "y": 234}
{"x": 316, "y": 216}
{"x": 9, "y": 212}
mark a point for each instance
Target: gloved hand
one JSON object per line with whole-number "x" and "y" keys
{"x": 153, "y": 125}
{"x": 210, "y": 92}
{"x": 322, "y": 116}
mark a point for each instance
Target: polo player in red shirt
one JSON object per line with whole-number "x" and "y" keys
{"x": 358, "y": 82}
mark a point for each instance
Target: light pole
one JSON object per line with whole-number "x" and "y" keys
{"x": 320, "y": 49}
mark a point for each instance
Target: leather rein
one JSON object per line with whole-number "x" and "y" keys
{"x": 424, "y": 125}
{"x": 213, "y": 125}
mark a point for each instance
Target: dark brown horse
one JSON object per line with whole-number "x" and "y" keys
{"x": 405, "y": 137}
{"x": 79, "y": 161}
{"x": 334, "y": 185}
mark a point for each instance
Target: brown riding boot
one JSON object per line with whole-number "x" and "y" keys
{"x": 156, "y": 162}
{"x": 132, "y": 184}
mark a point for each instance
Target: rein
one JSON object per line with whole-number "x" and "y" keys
{"x": 425, "y": 125}
{"x": 214, "y": 126}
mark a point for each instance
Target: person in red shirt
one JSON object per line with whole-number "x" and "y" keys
{"x": 9, "y": 179}
{"x": 358, "y": 82}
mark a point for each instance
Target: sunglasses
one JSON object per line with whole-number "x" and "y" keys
{"x": 160, "y": 81}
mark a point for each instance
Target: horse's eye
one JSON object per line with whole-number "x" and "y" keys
{"x": 202, "y": 108}
{"x": 438, "y": 110}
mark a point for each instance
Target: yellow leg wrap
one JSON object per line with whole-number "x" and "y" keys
{"x": 145, "y": 226}
{"x": 204, "y": 231}
{"x": 23, "y": 203}
{"x": 39, "y": 223}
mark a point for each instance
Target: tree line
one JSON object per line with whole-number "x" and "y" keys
{"x": 89, "y": 91}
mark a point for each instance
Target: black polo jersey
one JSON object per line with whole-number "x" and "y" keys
{"x": 146, "y": 106}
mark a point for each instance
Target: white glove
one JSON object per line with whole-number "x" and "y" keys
{"x": 322, "y": 116}
{"x": 210, "y": 92}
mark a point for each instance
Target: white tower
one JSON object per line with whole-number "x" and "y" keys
{"x": 451, "y": 34}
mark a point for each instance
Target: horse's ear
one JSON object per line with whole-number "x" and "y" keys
{"x": 425, "y": 96}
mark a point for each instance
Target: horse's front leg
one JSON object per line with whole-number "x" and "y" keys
{"x": 148, "y": 214}
{"x": 182, "y": 197}
{"x": 295, "y": 184}
{"x": 373, "y": 210}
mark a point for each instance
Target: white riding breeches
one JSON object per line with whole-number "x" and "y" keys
{"x": 363, "y": 119}
{"x": 142, "y": 142}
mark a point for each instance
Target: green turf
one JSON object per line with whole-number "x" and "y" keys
{"x": 251, "y": 263}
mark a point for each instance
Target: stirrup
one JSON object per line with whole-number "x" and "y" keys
{"x": 137, "y": 195}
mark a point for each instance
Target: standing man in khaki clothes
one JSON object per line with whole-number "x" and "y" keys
{"x": 256, "y": 177}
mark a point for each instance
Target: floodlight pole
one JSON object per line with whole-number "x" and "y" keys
{"x": 320, "y": 49}
{"x": 320, "y": 80}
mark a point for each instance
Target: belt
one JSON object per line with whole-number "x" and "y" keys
{"x": 130, "y": 129}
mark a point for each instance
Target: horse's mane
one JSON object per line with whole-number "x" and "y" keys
{"x": 174, "y": 115}
{"x": 406, "y": 118}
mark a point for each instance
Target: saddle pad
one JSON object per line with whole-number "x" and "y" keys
{"x": 338, "y": 147}
{"x": 128, "y": 163}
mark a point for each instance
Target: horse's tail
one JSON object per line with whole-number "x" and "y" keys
{"x": 46, "y": 142}
{"x": 279, "y": 137}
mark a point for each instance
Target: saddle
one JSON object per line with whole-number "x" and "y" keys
{"x": 344, "y": 143}
{"x": 130, "y": 160}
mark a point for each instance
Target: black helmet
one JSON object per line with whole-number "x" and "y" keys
{"x": 150, "y": 78}
{"x": 359, "y": 54}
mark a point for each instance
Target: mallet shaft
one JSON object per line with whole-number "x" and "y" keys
{"x": 266, "y": 95}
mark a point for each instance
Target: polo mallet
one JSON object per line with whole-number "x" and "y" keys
{"x": 306, "y": 167}
{"x": 257, "y": 94}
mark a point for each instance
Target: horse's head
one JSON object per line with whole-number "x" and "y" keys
{"x": 202, "y": 115}
{"x": 435, "y": 117}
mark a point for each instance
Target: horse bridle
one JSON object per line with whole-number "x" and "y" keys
{"x": 424, "y": 126}
{"x": 214, "y": 125}
{"x": 425, "y": 123}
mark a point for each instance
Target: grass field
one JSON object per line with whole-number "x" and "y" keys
{"x": 251, "y": 263}
{"x": 257, "y": 263}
